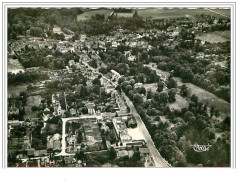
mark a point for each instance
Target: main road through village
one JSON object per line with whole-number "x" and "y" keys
{"x": 158, "y": 159}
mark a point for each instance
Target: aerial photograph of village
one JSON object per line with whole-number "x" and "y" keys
{"x": 118, "y": 87}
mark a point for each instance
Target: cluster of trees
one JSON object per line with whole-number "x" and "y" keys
{"x": 134, "y": 161}
{"x": 39, "y": 139}
{"x": 34, "y": 60}
{"x": 54, "y": 120}
{"x": 96, "y": 26}
{"x": 27, "y": 77}
{"x": 122, "y": 10}
{"x": 80, "y": 136}
{"x": 99, "y": 17}
{"x": 39, "y": 144}
{"x": 115, "y": 60}
{"x": 137, "y": 94}
{"x": 18, "y": 104}
{"x": 31, "y": 57}
{"x": 221, "y": 25}
{"x": 36, "y": 31}
{"x": 193, "y": 125}
{"x": 19, "y": 116}
{"x": 199, "y": 72}
{"x": 19, "y": 131}
{"x": 38, "y": 20}
{"x": 58, "y": 36}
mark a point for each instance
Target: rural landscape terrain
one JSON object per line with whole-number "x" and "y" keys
{"x": 119, "y": 87}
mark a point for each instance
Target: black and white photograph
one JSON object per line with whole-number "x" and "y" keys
{"x": 118, "y": 86}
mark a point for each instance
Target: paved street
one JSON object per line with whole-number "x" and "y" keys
{"x": 64, "y": 135}
{"x": 158, "y": 159}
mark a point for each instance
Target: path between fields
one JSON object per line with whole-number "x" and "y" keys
{"x": 203, "y": 95}
{"x": 217, "y": 12}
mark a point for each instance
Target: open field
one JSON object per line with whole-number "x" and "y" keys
{"x": 14, "y": 66}
{"x": 127, "y": 15}
{"x": 32, "y": 101}
{"x": 179, "y": 103}
{"x": 157, "y": 13}
{"x": 215, "y": 37}
{"x": 221, "y": 12}
{"x": 87, "y": 14}
{"x": 211, "y": 99}
{"x": 203, "y": 95}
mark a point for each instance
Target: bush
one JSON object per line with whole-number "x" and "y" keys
{"x": 33, "y": 108}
